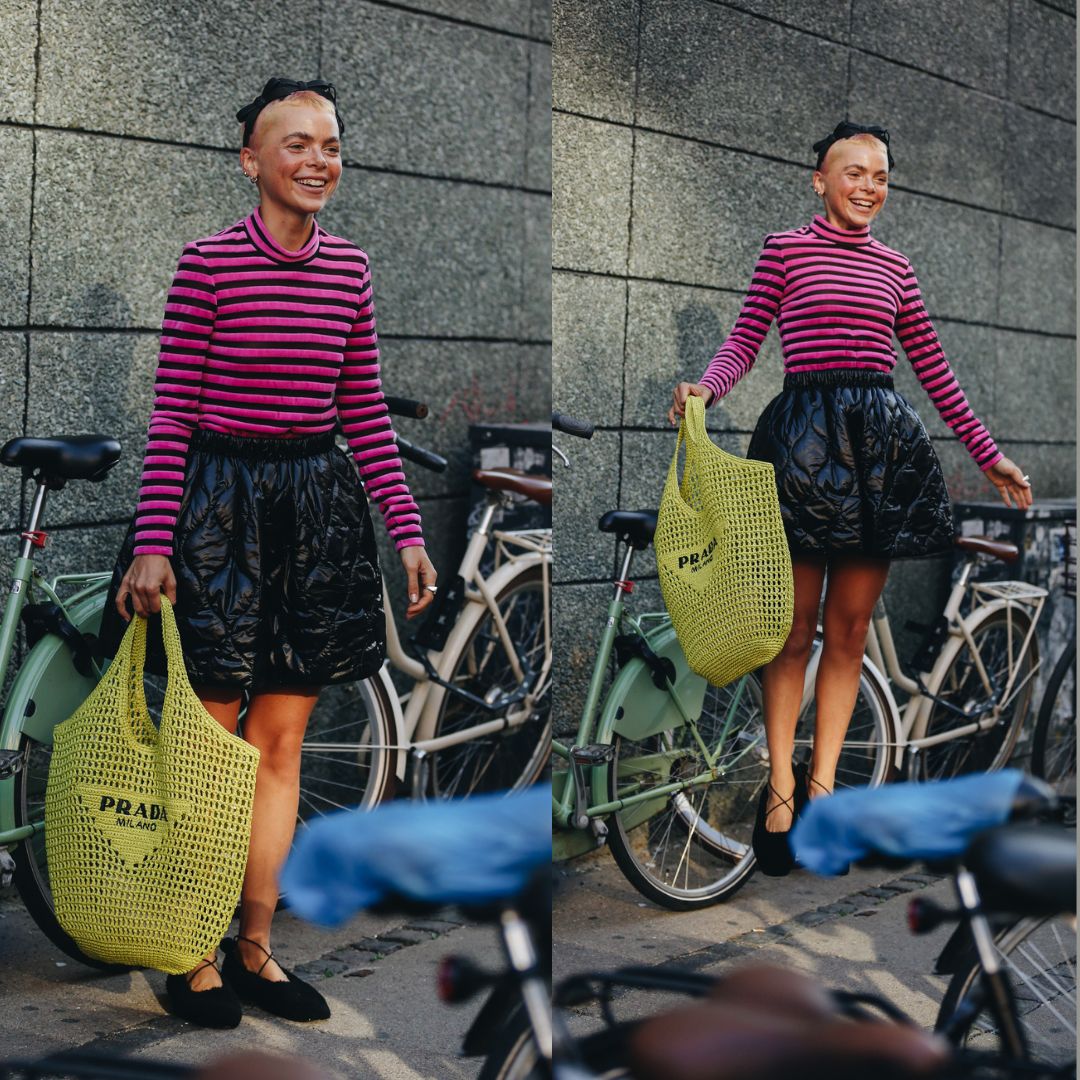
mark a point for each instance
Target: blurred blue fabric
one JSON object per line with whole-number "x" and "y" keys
{"x": 467, "y": 851}
{"x": 936, "y": 819}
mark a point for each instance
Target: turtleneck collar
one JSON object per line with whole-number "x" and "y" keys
{"x": 820, "y": 225}
{"x": 261, "y": 238}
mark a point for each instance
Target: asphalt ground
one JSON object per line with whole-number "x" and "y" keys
{"x": 850, "y": 932}
{"x": 377, "y": 972}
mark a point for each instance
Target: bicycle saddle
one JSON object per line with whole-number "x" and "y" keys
{"x": 983, "y": 545}
{"x": 636, "y": 527}
{"x": 71, "y": 457}
{"x": 537, "y": 488}
{"x": 1027, "y": 869}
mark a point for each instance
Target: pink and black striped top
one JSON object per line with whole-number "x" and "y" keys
{"x": 261, "y": 341}
{"x": 838, "y": 297}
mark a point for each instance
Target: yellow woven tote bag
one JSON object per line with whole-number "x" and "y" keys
{"x": 146, "y": 828}
{"x": 722, "y": 557}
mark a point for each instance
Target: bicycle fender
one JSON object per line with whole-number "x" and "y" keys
{"x": 635, "y": 708}
{"x": 952, "y": 646}
{"x": 893, "y": 715}
{"x": 49, "y": 665}
{"x": 494, "y": 1015}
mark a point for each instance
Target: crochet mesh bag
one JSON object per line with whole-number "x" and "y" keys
{"x": 722, "y": 557}
{"x": 147, "y": 828}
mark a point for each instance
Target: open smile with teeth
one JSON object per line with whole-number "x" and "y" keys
{"x": 317, "y": 185}
{"x": 863, "y": 204}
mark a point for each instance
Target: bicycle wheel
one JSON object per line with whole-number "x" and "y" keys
{"x": 1038, "y": 956}
{"x": 692, "y": 849}
{"x": 512, "y": 757}
{"x": 997, "y": 645}
{"x": 866, "y": 759}
{"x": 513, "y": 1056}
{"x": 1053, "y": 746}
{"x": 347, "y": 756}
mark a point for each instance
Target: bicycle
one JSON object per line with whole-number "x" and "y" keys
{"x": 969, "y": 695}
{"x": 487, "y": 856}
{"x": 1000, "y": 1024}
{"x": 1053, "y": 744}
{"x": 477, "y": 716}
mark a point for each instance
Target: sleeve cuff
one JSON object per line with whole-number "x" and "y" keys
{"x": 992, "y": 462}
{"x": 409, "y": 541}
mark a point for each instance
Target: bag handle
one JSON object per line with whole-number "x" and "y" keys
{"x": 691, "y": 433}
{"x": 135, "y": 657}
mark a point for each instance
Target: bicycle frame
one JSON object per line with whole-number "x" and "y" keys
{"x": 420, "y": 717}
{"x": 679, "y": 703}
{"x": 25, "y": 579}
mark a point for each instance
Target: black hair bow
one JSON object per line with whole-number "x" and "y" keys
{"x": 275, "y": 90}
{"x": 844, "y": 130}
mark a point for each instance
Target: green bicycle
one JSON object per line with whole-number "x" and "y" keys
{"x": 665, "y": 768}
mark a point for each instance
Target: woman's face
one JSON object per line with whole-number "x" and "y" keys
{"x": 292, "y": 142}
{"x": 853, "y": 181}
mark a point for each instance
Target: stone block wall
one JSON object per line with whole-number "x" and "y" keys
{"x": 118, "y": 144}
{"x": 682, "y": 133}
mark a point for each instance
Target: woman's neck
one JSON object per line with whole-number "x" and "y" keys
{"x": 289, "y": 229}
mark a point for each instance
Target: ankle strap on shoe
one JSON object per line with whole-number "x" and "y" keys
{"x": 828, "y": 791}
{"x": 783, "y": 802}
{"x": 269, "y": 954}
{"x": 198, "y": 967}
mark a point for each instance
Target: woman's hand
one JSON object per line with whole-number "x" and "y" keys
{"x": 146, "y": 578}
{"x": 421, "y": 574}
{"x": 1012, "y": 486}
{"x": 681, "y": 393}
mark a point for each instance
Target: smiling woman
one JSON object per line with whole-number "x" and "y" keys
{"x": 858, "y": 478}
{"x": 250, "y": 518}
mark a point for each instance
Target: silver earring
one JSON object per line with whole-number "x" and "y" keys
{"x": 253, "y": 179}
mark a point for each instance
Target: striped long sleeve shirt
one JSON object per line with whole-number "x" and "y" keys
{"x": 261, "y": 341}
{"x": 838, "y": 298}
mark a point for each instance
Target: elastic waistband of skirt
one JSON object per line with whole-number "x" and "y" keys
{"x": 799, "y": 380}
{"x": 261, "y": 448}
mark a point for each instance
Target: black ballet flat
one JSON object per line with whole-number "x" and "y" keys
{"x": 771, "y": 849}
{"x": 218, "y": 1007}
{"x": 291, "y": 1000}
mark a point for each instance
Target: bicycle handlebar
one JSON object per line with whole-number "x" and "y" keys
{"x": 400, "y": 406}
{"x": 569, "y": 426}
{"x": 428, "y": 458}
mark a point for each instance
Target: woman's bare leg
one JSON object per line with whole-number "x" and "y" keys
{"x": 782, "y": 683}
{"x": 275, "y": 723}
{"x": 223, "y": 704}
{"x": 854, "y": 587}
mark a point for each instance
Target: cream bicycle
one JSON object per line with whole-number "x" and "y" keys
{"x": 477, "y": 715}
{"x": 971, "y": 692}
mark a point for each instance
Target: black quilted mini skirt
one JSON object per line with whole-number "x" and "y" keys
{"x": 277, "y": 572}
{"x": 855, "y": 469}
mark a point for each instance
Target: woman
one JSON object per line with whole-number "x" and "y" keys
{"x": 250, "y": 519}
{"x": 858, "y": 479}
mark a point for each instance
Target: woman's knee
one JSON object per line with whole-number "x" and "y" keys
{"x": 846, "y": 635}
{"x": 279, "y": 752}
{"x": 800, "y": 639}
